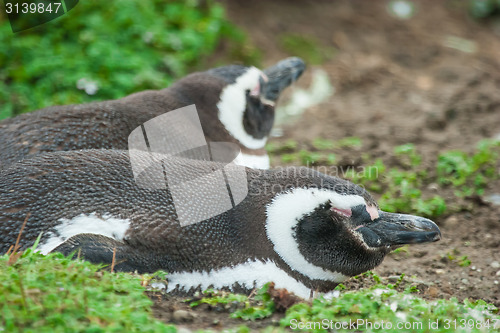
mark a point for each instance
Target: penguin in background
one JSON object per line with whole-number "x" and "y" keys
{"x": 299, "y": 228}
{"x": 235, "y": 104}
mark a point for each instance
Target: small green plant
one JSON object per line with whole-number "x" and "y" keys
{"x": 308, "y": 158}
{"x": 369, "y": 177}
{"x": 352, "y": 142}
{"x": 286, "y": 147}
{"x": 264, "y": 307}
{"x": 147, "y": 279}
{"x": 404, "y": 248}
{"x": 398, "y": 282}
{"x": 244, "y": 307}
{"x": 371, "y": 274}
{"x": 464, "y": 262}
{"x": 469, "y": 173}
{"x": 327, "y": 144}
{"x": 323, "y": 144}
{"x": 412, "y": 290}
{"x": 452, "y": 256}
{"x": 340, "y": 286}
{"x": 288, "y": 158}
{"x": 408, "y": 155}
{"x": 214, "y": 297}
{"x": 291, "y": 152}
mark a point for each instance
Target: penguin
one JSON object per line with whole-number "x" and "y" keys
{"x": 303, "y": 230}
{"x": 235, "y": 104}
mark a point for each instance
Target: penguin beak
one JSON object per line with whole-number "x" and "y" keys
{"x": 280, "y": 76}
{"x": 391, "y": 229}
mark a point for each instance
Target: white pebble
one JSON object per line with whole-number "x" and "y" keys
{"x": 158, "y": 285}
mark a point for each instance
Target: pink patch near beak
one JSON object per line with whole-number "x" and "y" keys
{"x": 373, "y": 211}
{"x": 345, "y": 212}
{"x": 255, "y": 91}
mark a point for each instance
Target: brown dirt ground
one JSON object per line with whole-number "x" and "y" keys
{"x": 395, "y": 82}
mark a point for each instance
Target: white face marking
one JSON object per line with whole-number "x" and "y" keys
{"x": 252, "y": 274}
{"x": 91, "y": 224}
{"x": 253, "y": 161}
{"x": 232, "y": 107}
{"x": 284, "y": 212}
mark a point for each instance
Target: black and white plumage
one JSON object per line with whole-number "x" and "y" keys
{"x": 235, "y": 104}
{"x": 297, "y": 227}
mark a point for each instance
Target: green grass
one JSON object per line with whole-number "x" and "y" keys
{"x": 400, "y": 187}
{"x": 380, "y": 304}
{"x": 383, "y": 302}
{"x": 469, "y": 173}
{"x": 290, "y": 152}
{"x": 258, "y": 307}
{"x": 56, "y": 294}
{"x": 121, "y": 47}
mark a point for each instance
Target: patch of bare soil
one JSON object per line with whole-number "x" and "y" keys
{"x": 396, "y": 81}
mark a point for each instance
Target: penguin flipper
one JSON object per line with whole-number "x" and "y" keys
{"x": 99, "y": 249}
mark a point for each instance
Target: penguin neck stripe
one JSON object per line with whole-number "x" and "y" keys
{"x": 284, "y": 213}
{"x": 232, "y": 106}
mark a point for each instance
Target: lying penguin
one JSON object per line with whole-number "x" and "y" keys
{"x": 297, "y": 227}
{"x": 235, "y": 104}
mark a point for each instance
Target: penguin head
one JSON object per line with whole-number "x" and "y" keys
{"x": 246, "y": 101}
{"x": 329, "y": 229}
